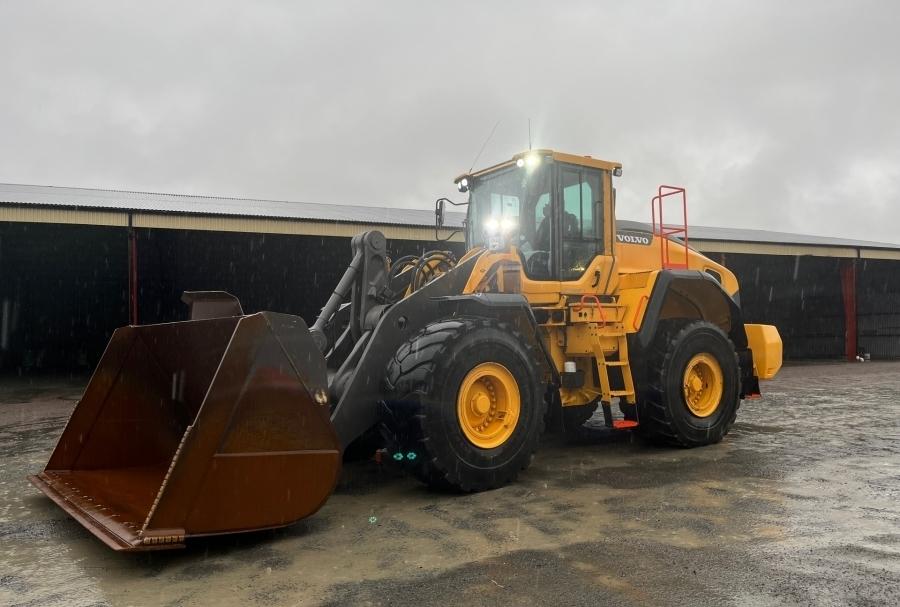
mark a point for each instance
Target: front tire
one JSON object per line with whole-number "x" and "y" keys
{"x": 692, "y": 393}
{"x": 467, "y": 403}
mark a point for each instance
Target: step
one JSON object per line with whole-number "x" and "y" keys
{"x": 616, "y": 363}
{"x": 624, "y": 424}
{"x": 621, "y": 393}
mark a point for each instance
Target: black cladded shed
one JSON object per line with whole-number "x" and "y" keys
{"x": 77, "y": 263}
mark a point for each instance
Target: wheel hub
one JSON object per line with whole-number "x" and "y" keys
{"x": 488, "y": 405}
{"x": 703, "y": 385}
{"x": 481, "y": 404}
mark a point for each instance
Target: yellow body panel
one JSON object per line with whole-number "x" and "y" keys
{"x": 491, "y": 269}
{"x": 634, "y": 295}
{"x": 639, "y": 258}
{"x": 765, "y": 343}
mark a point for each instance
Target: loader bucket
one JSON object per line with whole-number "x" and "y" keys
{"x": 198, "y": 428}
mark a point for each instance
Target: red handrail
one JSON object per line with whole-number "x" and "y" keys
{"x": 662, "y": 231}
{"x": 583, "y": 304}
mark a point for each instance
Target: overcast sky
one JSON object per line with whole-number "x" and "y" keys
{"x": 775, "y": 115}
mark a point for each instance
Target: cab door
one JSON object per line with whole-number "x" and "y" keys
{"x": 583, "y": 261}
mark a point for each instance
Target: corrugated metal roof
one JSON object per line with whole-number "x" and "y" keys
{"x": 766, "y": 236}
{"x": 213, "y": 205}
{"x": 118, "y": 200}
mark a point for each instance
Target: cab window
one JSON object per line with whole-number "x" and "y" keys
{"x": 504, "y": 205}
{"x": 581, "y": 225}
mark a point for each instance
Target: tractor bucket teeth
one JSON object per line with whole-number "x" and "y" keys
{"x": 198, "y": 428}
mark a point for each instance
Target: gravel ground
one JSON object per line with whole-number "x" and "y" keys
{"x": 800, "y": 505}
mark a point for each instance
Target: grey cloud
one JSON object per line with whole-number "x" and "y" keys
{"x": 774, "y": 115}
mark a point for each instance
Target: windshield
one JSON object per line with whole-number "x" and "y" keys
{"x": 518, "y": 196}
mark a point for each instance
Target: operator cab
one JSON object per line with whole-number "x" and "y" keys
{"x": 548, "y": 207}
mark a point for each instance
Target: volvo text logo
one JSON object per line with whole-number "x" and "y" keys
{"x": 632, "y": 238}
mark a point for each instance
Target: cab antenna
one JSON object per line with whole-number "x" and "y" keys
{"x": 478, "y": 155}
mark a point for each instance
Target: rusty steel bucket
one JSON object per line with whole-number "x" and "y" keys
{"x": 198, "y": 428}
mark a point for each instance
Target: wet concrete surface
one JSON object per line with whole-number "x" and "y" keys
{"x": 800, "y": 505}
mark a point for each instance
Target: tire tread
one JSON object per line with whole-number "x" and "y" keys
{"x": 411, "y": 378}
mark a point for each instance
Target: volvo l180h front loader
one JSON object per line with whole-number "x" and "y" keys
{"x": 233, "y": 422}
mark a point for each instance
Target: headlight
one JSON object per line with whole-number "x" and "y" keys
{"x": 530, "y": 160}
{"x": 497, "y": 231}
{"x": 500, "y": 225}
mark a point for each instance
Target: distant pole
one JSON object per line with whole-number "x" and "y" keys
{"x": 132, "y": 274}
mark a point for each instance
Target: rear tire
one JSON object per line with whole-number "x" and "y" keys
{"x": 424, "y": 422}
{"x": 685, "y": 408}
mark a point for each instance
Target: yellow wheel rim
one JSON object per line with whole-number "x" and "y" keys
{"x": 488, "y": 405}
{"x": 703, "y": 385}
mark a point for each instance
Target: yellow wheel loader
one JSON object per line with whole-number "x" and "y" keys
{"x": 231, "y": 422}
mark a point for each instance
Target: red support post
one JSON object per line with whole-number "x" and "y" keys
{"x": 848, "y": 292}
{"x": 132, "y": 275}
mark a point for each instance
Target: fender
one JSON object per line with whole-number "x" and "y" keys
{"x": 680, "y": 283}
{"x": 512, "y": 308}
{"x": 675, "y": 281}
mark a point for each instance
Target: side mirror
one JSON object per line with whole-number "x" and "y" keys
{"x": 439, "y": 213}
{"x": 439, "y": 217}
